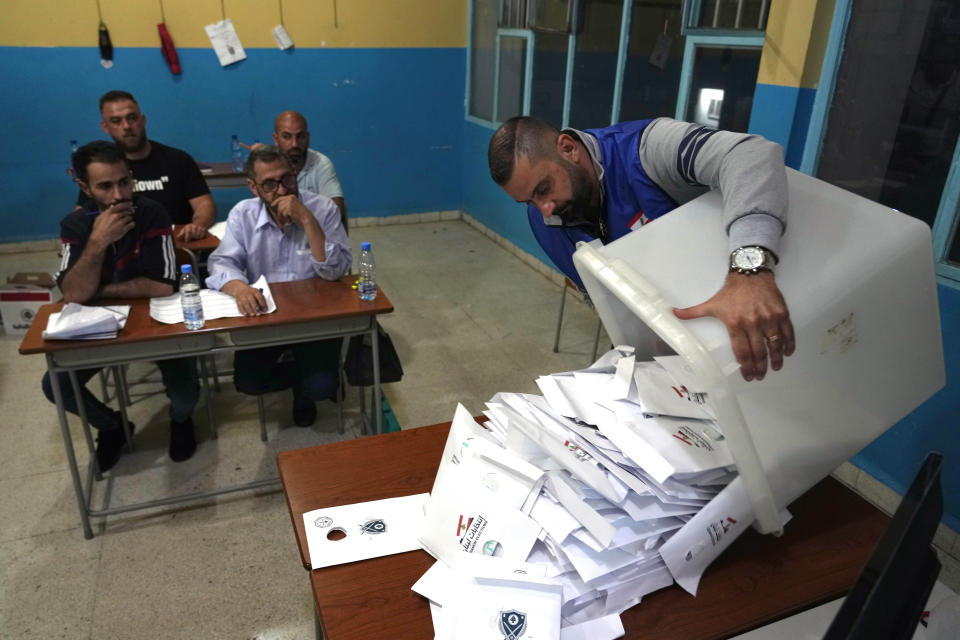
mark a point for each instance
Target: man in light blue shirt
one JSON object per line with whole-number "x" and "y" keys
{"x": 283, "y": 234}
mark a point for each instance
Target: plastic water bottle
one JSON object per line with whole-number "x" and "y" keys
{"x": 236, "y": 154}
{"x": 190, "y": 298}
{"x": 367, "y": 284}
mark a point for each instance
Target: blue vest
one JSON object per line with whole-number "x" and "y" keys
{"x": 630, "y": 197}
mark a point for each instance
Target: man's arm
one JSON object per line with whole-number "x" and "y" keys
{"x": 343, "y": 210}
{"x": 328, "y": 241}
{"x": 229, "y": 260}
{"x": 685, "y": 159}
{"x": 139, "y": 287}
{"x": 81, "y": 280}
{"x": 204, "y": 215}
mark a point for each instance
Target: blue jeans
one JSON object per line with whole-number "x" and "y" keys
{"x": 179, "y": 381}
{"x": 313, "y": 374}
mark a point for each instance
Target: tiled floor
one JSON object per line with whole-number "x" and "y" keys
{"x": 470, "y": 320}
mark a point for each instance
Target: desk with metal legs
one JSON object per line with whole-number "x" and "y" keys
{"x": 307, "y": 310}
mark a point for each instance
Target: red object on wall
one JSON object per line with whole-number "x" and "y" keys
{"x": 167, "y": 48}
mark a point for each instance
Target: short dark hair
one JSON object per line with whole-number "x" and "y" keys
{"x": 96, "y": 151}
{"x": 267, "y": 155}
{"x": 520, "y": 136}
{"x": 116, "y": 96}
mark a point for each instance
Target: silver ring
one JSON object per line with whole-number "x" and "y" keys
{"x": 773, "y": 338}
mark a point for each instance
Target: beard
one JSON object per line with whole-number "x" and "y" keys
{"x": 582, "y": 208}
{"x": 133, "y": 143}
{"x": 295, "y": 155}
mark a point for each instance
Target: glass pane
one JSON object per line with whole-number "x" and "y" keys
{"x": 721, "y": 90}
{"x": 550, "y": 15}
{"x": 651, "y": 78}
{"x": 549, "y": 68}
{"x": 895, "y": 114}
{"x": 513, "y": 53}
{"x": 748, "y": 15}
{"x": 482, "y": 42}
{"x": 595, "y": 63}
{"x": 514, "y": 14}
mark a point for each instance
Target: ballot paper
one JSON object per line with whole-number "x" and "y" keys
{"x": 218, "y": 230}
{"x": 78, "y": 322}
{"x": 216, "y": 304}
{"x": 338, "y": 535}
{"x": 226, "y": 43}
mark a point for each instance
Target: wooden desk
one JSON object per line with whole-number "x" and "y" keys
{"x": 208, "y": 242}
{"x": 221, "y": 175}
{"x": 757, "y": 581}
{"x": 307, "y": 310}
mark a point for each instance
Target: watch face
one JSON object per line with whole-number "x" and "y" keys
{"x": 748, "y": 258}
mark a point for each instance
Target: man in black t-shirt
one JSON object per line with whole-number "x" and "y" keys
{"x": 167, "y": 175}
{"x": 120, "y": 247}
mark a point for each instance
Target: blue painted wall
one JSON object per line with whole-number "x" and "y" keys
{"x": 392, "y": 130}
{"x": 782, "y": 114}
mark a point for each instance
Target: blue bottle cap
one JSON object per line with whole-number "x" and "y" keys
{"x": 186, "y": 268}
{"x": 365, "y": 246}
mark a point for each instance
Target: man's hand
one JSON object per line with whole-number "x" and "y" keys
{"x": 190, "y": 232}
{"x": 113, "y": 224}
{"x": 250, "y": 301}
{"x": 290, "y": 209}
{"x": 756, "y": 316}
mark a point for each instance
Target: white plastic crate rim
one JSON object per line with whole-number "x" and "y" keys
{"x": 859, "y": 281}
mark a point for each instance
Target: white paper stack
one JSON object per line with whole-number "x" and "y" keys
{"x": 216, "y": 304}
{"x": 77, "y": 322}
{"x": 585, "y": 483}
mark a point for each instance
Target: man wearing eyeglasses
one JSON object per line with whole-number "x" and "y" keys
{"x": 164, "y": 174}
{"x": 284, "y": 235}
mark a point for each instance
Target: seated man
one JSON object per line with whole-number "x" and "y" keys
{"x": 120, "y": 248}
{"x": 283, "y": 235}
{"x": 167, "y": 175}
{"x": 314, "y": 170}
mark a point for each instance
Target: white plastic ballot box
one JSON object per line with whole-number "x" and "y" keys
{"x": 859, "y": 281}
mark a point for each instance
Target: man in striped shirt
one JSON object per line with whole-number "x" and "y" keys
{"x": 121, "y": 247}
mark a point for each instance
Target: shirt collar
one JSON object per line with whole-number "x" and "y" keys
{"x": 263, "y": 217}
{"x": 593, "y": 148}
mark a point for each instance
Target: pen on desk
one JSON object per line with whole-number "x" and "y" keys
{"x": 259, "y": 308}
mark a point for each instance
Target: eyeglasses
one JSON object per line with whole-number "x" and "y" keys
{"x": 270, "y": 185}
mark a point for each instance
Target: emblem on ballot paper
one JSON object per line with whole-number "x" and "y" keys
{"x": 374, "y": 526}
{"x": 323, "y": 522}
{"x": 512, "y": 624}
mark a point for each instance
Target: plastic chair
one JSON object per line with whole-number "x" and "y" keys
{"x": 568, "y": 283}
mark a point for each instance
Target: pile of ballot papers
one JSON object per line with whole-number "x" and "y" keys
{"x": 77, "y": 322}
{"x": 554, "y": 516}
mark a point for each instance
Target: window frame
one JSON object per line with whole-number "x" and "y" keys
{"x": 690, "y": 55}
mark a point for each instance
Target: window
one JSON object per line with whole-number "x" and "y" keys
{"x": 588, "y": 63}
{"x": 891, "y": 130}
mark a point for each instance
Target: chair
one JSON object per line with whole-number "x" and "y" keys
{"x": 568, "y": 284}
{"x": 284, "y": 379}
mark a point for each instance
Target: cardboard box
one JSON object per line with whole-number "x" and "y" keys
{"x": 20, "y": 298}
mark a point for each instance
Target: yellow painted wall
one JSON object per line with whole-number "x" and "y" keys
{"x": 310, "y": 23}
{"x": 796, "y": 39}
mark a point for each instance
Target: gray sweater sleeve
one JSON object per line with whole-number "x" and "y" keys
{"x": 686, "y": 160}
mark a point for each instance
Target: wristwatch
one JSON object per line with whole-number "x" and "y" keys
{"x": 751, "y": 260}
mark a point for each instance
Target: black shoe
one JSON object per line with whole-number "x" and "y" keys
{"x": 304, "y": 412}
{"x": 109, "y": 445}
{"x": 182, "y": 441}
